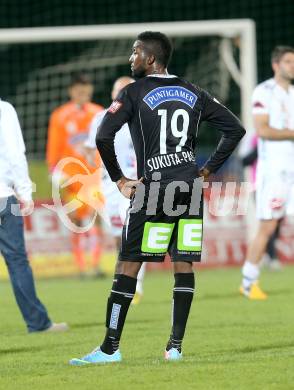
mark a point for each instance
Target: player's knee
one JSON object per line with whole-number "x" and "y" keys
{"x": 182, "y": 267}
{"x": 130, "y": 268}
{"x": 119, "y": 267}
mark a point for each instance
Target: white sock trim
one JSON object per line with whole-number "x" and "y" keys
{"x": 250, "y": 274}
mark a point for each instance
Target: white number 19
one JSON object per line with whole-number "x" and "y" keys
{"x": 174, "y": 128}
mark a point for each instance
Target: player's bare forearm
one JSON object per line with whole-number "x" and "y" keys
{"x": 273, "y": 134}
{"x": 265, "y": 131}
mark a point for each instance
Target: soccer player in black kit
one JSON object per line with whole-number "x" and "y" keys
{"x": 163, "y": 112}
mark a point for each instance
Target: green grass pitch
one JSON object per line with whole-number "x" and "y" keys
{"x": 230, "y": 343}
{"x": 40, "y": 177}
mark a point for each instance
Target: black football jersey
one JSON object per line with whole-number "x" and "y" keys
{"x": 163, "y": 114}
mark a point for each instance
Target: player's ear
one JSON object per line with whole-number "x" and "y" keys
{"x": 151, "y": 59}
{"x": 275, "y": 66}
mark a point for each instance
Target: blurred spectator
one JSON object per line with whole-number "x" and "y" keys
{"x": 16, "y": 201}
{"x": 68, "y": 130}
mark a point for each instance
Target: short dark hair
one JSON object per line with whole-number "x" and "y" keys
{"x": 159, "y": 45}
{"x": 80, "y": 78}
{"x": 279, "y": 51}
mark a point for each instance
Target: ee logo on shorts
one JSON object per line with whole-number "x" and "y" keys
{"x": 190, "y": 235}
{"x": 156, "y": 236}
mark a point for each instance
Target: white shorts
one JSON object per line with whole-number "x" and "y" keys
{"x": 116, "y": 206}
{"x": 274, "y": 194}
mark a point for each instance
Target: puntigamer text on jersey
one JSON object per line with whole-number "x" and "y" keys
{"x": 165, "y": 94}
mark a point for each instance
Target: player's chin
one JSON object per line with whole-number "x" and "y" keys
{"x": 138, "y": 73}
{"x": 290, "y": 76}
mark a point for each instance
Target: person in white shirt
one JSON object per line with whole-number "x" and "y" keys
{"x": 273, "y": 114}
{"x": 116, "y": 204}
{"x": 16, "y": 201}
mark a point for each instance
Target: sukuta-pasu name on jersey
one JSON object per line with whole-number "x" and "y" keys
{"x": 166, "y": 94}
{"x": 168, "y": 160}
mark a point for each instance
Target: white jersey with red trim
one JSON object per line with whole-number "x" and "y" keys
{"x": 115, "y": 203}
{"x": 271, "y": 99}
{"x": 124, "y": 150}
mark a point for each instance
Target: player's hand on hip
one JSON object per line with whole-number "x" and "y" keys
{"x": 128, "y": 186}
{"x": 204, "y": 172}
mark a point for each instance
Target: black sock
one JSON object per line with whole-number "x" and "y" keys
{"x": 114, "y": 281}
{"x": 182, "y": 299}
{"x": 118, "y": 304}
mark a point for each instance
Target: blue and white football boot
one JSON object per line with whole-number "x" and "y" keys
{"x": 173, "y": 354}
{"x": 96, "y": 357}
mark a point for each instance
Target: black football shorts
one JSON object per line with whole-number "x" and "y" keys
{"x": 164, "y": 218}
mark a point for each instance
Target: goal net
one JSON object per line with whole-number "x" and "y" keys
{"x": 37, "y": 65}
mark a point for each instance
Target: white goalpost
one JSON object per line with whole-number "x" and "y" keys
{"x": 231, "y": 33}
{"x": 37, "y": 65}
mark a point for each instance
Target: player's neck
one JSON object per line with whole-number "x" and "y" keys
{"x": 285, "y": 84}
{"x": 78, "y": 105}
{"x": 157, "y": 70}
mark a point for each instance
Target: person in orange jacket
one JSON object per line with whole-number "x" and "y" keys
{"x": 67, "y": 132}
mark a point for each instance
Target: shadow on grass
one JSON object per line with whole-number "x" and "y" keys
{"x": 256, "y": 348}
{"x": 16, "y": 350}
{"x": 244, "y": 350}
{"x": 281, "y": 291}
{"x": 38, "y": 348}
{"x": 86, "y": 325}
{"x": 236, "y": 294}
{"x": 213, "y": 297}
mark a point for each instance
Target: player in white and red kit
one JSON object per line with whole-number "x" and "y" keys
{"x": 273, "y": 113}
{"x": 116, "y": 204}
